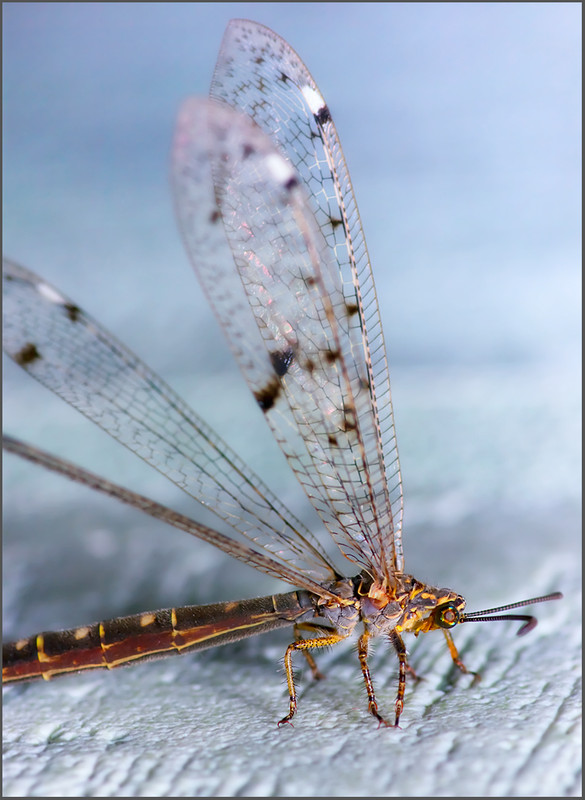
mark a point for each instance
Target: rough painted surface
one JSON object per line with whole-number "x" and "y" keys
{"x": 208, "y": 726}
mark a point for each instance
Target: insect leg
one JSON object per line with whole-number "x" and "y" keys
{"x": 414, "y": 675}
{"x": 303, "y": 645}
{"x": 400, "y": 648}
{"x": 315, "y": 628}
{"x": 457, "y": 660}
{"x": 372, "y": 704}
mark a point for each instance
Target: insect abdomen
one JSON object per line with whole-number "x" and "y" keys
{"x": 110, "y": 644}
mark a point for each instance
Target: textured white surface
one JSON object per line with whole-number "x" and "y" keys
{"x": 207, "y": 727}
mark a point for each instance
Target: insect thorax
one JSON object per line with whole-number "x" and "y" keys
{"x": 411, "y": 607}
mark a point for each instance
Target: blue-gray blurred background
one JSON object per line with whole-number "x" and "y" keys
{"x": 461, "y": 126}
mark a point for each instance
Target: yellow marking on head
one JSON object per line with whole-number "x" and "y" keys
{"x": 147, "y": 619}
{"x": 81, "y": 633}
{"x": 446, "y": 598}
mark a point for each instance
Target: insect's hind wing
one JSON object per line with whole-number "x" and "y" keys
{"x": 66, "y": 350}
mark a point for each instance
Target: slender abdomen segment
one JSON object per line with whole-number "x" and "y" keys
{"x": 113, "y": 643}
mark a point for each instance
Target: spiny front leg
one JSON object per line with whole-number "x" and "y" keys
{"x": 457, "y": 661}
{"x": 363, "y": 656}
{"x": 303, "y": 645}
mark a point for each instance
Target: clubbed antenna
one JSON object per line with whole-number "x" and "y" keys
{"x": 530, "y": 622}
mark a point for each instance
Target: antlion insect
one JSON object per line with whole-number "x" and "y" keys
{"x": 269, "y": 219}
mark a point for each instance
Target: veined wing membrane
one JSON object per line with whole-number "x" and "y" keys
{"x": 71, "y": 354}
{"x": 259, "y": 73}
{"x": 301, "y": 355}
{"x": 239, "y": 550}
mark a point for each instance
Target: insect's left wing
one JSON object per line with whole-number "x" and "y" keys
{"x": 303, "y": 349}
{"x": 241, "y": 551}
{"x": 61, "y": 346}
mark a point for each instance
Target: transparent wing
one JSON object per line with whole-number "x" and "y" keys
{"x": 303, "y": 349}
{"x": 70, "y": 353}
{"x": 260, "y": 74}
{"x": 239, "y": 550}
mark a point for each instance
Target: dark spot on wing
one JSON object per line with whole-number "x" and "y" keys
{"x": 291, "y": 183}
{"x": 27, "y": 354}
{"x": 331, "y": 356}
{"x": 323, "y": 115}
{"x": 247, "y": 150}
{"x": 310, "y": 366}
{"x": 282, "y": 360}
{"x": 335, "y": 222}
{"x": 214, "y": 216}
{"x": 72, "y": 311}
{"x": 267, "y": 396}
{"x": 284, "y": 78}
{"x": 258, "y": 60}
{"x": 349, "y": 423}
{"x": 352, "y": 308}
{"x": 332, "y": 439}
{"x": 310, "y": 280}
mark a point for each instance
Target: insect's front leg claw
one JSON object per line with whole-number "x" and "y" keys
{"x": 465, "y": 671}
{"x": 476, "y": 677}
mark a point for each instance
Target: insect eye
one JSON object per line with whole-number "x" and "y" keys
{"x": 447, "y": 616}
